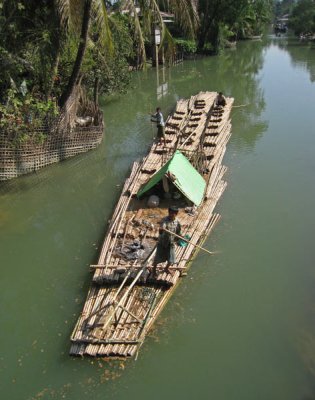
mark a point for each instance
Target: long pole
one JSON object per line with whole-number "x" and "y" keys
{"x": 188, "y": 241}
{"x": 157, "y": 56}
{"x": 125, "y": 295}
{"x": 241, "y": 105}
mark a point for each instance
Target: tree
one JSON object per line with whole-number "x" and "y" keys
{"x": 252, "y": 18}
{"x": 218, "y": 18}
{"x": 302, "y": 18}
{"x": 72, "y": 12}
{"x": 29, "y": 36}
{"x": 48, "y": 47}
{"x": 284, "y": 7}
{"x": 185, "y": 13}
{"x": 107, "y": 71}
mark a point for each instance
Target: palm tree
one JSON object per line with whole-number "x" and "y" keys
{"x": 242, "y": 17}
{"x": 79, "y": 13}
{"x": 185, "y": 13}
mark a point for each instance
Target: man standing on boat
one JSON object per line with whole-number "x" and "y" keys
{"x": 220, "y": 100}
{"x": 165, "y": 250}
{"x": 158, "y": 118}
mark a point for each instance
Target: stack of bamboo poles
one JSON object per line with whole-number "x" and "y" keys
{"x": 183, "y": 130}
{"x": 125, "y": 298}
{"x": 107, "y": 274}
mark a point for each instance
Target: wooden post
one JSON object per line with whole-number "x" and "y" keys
{"x": 157, "y": 56}
{"x": 156, "y": 41}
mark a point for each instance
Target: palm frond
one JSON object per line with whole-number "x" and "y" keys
{"x": 70, "y": 14}
{"x": 100, "y": 16}
{"x": 169, "y": 45}
{"x": 139, "y": 33}
{"x": 185, "y": 12}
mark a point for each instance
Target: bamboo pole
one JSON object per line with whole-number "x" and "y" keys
{"x": 188, "y": 241}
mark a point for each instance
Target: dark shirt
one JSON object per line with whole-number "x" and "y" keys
{"x": 220, "y": 101}
{"x": 166, "y": 239}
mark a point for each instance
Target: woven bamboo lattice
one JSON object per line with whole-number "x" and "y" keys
{"x": 60, "y": 139}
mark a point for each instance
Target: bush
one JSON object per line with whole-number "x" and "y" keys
{"x": 208, "y": 48}
{"x": 187, "y": 46}
{"x": 24, "y": 115}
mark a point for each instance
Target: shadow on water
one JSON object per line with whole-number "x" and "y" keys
{"x": 302, "y": 53}
{"x": 303, "y": 56}
{"x": 310, "y": 396}
{"x": 305, "y": 342}
{"x": 238, "y": 74}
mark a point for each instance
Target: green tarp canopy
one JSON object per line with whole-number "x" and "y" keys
{"x": 188, "y": 181}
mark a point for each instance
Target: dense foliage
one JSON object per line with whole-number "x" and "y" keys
{"x": 222, "y": 20}
{"x": 284, "y": 7}
{"x": 50, "y": 47}
{"x": 186, "y": 46}
{"x": 39, "y": 44}
{"x": 28, "y": 39}
{"x": 302, "y": 18}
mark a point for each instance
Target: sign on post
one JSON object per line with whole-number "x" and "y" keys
{"x": 157, "y": 36}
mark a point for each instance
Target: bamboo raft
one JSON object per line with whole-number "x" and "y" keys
{"x": 125, "y": 298}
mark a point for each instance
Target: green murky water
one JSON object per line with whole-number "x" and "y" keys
{"x": 241, "y": 326}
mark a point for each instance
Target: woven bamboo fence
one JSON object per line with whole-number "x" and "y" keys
{"x": 52, "y": 141}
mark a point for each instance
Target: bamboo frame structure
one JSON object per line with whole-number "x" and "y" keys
{"x": 125, "y": 298}
{"x": 60, "y": 139}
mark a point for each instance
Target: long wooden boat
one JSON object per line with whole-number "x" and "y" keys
{"x": 125, "y": 298}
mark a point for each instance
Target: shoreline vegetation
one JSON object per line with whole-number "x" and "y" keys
{"x": 56, "y": 50}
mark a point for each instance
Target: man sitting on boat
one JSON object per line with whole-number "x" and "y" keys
{"x": 220, "y": 100}
{"x": 165, "y": 250}
{"x": 158, "y": 118}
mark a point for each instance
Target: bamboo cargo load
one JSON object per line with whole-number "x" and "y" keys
{"x": 126, "y": 296}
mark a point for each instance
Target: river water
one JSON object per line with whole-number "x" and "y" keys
{"x": 241, "y": 326}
